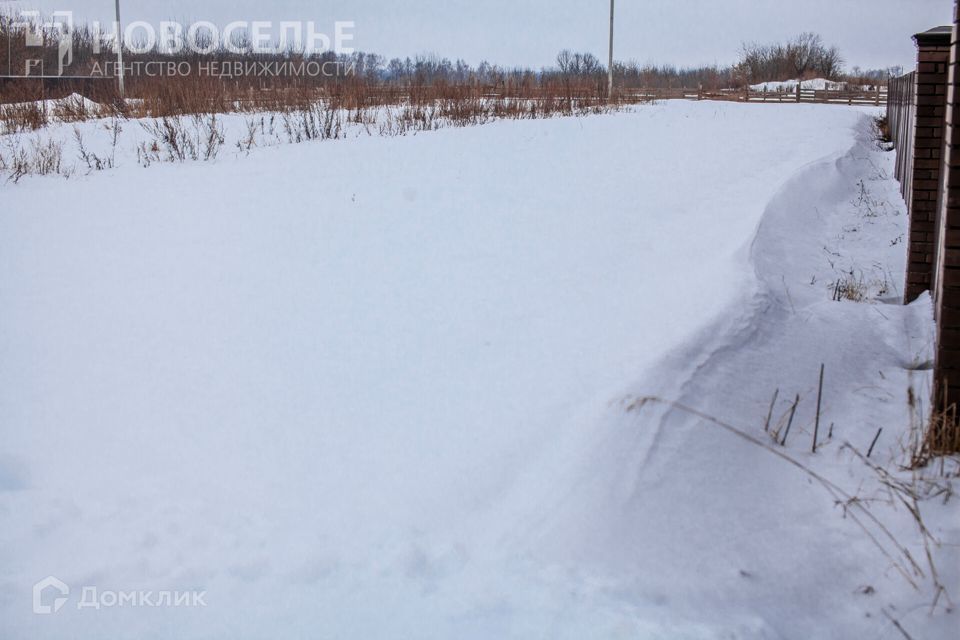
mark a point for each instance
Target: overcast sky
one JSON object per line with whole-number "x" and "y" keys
{"x": 871, "y": 33}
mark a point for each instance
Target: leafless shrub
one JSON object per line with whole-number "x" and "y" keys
{"x": 867, "y": 204}
{"x": 47, "y": 156}
{"x": 40, "y": 157}
{"x": 93, "y": 161}
{"x": 318, "y": 121}
{"x": 249, "y": 140}
{"x": 176, "y": 139}
{"x": 75, "y": 109}
{"x": 211, "y": 136}
{"x": 23, "y": 117}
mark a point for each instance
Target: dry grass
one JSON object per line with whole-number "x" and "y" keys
{"x": 942, "y": 436}
{"x": 181, "y": 139}
{"x": 882, "y": 126}
{"x": 921, "y": 573}
{"x": 850, "y": 287}
{"x": 23, "y": 117}
{"x": 934, "y": 436}
{"x": 192, "y": 127}
{"x": 358, "y": 99}
{"x": 857, "y": 509}
{"x": 36, "y": 157}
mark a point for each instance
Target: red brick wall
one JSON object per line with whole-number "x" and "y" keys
{"x": 946, "y": 286}
{"x": 931, "y": 87}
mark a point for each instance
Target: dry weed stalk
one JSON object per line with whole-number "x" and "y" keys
{"x": 855, "y": 508}
{"x": 935, "y": 435}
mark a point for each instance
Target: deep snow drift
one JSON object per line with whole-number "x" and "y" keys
{"x": 390, "y": 388}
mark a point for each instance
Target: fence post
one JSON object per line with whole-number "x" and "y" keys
{"x": 924, "y": 167}
{"x": 799, "y": 85}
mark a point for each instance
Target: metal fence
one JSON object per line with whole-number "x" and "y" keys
{"x": 901, "y": 119}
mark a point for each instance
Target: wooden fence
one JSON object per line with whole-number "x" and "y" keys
{"x": 875, "y": 97}
{"x": 103, "y": 89}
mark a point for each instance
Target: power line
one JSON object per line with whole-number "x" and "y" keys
{"x": 610, "y": 65}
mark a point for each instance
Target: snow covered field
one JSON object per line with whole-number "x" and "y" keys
{"x": 392, "y": 387}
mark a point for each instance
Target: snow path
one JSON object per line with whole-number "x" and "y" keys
{"x": 378, "y": 388}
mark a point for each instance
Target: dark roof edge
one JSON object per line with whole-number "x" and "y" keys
{"x": 935, "y": 36}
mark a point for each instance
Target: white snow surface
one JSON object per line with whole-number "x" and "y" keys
{"x": 815, "y": 84}
{"x": 391, "y": 387}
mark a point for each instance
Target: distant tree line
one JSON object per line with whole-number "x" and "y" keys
{"x": 570, "y": 67}
{"x": 803, "y": 57}
{"x": 571, "y": 73}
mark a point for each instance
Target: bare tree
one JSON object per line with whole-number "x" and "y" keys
{"x": 803, "y": 56}
{"x": 831, "y": 62}
{"x": 804, "y": 53}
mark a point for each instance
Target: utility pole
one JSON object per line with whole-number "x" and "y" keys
{"x": 610, "y": 65}
{"x": 120, "y": 53}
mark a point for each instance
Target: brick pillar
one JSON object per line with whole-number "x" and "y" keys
{"x": 932, "y": 59}
{"x": 946, "y": 285}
